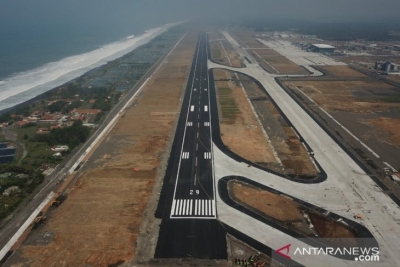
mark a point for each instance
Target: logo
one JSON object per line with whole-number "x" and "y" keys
{"x": 284, "y": 254}
{"x": 369, "y": 253}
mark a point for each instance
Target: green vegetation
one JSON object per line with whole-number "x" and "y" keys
{"x": 228, "y": 105}
{"x": 5, "y": 117}
{"x": 57, "y": 106}
{"x": 72, "y": 136}
{"x": 26, "y": 180}
{"x": 216, "y": 53}
{"x": 391, "y": 99}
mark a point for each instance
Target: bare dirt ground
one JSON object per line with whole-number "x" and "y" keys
{"x": 222, "y": 51}
{"x": 342, "y": 72}
{"x": 359, "y": 96}
{"x": 99, "y": 223}
{"x": 356, "y": 97}
{"x": 278, "y": 207}
{"x": 240, "y": 129}
{"x": 269, "y": 58}
{"x": 329, "y": 229}
{"x": 246, "y": 38}
{"x": 291, "y": 152}
{"x": 368, "y": 107}
{"x": 367, "y": 58}
{"x": 286, "y": 212}
{"x": 238, "y": 250}
{"x": 391, "y": 127}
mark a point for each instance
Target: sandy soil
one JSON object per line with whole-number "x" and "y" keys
{"x": 343, "y": 72}
{"x": 222, "y": 52}
{"x": 294, "y": 157}
{"x": 241, "y": 132}
{"x": 99, "y": 222}
{"x": 246, "y": 38}
{"x": 352, "y": 96}
{"x": 279, "y": 63}
{"x": 276, "y": 206}
{"x": 357, "y": 95}
{"x": 391, "y": 127}
{"x": 329, "y": 229}
{"x": 287, "y": 212}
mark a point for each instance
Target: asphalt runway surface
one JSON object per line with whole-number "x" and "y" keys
{"x": 187, "y": 204}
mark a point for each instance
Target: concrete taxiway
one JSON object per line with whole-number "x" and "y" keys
{"x": 348, "y": 190}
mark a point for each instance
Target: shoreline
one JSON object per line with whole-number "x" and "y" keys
{"x": 74, "y": 74}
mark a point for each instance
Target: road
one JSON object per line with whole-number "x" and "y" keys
{"x": 187, "y": 206}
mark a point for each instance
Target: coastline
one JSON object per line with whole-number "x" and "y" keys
{"x": 39, "y": 91}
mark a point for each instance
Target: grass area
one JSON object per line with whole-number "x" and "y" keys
{"x": 391, "y": 99}
{"x": 229, "y": 109}
{"x": 216, "y": 53}
{"x": 38, "y": 152}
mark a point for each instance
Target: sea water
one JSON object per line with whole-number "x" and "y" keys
{"x": 25, "y": 84}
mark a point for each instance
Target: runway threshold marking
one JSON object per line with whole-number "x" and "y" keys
{"x": 189, "y": 123}
{"x": 207, "y": 155}
{"x": 185, "y": 155}
{"x": 193, "y": 208}
{"x": 206, "y": 123}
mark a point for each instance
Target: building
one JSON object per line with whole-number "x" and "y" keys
{"x": 322, "y": 48}
{"x": 11, "y": 189}
{"x": 387, "y": 67}
{"x": 7, "y": 152}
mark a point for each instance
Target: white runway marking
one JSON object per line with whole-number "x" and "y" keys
{"x": 189, "y": 208}
{"x": 207, "y": 155}
{"x": 189, "y": 123}
{"x": 206, "y": 123}
{"x": 205, "y": 89}
{"x": 185, "y": 155}
{"x": 192, "y": 108}
{"x": 205, "y": 108}
{"x": 173, "y": 207}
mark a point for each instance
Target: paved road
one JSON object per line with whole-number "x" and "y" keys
{"x": 187, "y": 204}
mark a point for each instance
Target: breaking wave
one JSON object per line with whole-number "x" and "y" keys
{"x": 26, "y": 85}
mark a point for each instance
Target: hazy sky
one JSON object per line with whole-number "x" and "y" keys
{"x": 133, "y": 11}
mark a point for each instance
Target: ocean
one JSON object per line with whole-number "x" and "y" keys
{"x": 34, "y": 59}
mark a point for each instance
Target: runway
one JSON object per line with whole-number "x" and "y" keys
{"x": 187, "y": 203}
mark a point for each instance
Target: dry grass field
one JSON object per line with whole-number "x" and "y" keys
{"x": 99, "y": 222}
{"x": 240, "y": 129}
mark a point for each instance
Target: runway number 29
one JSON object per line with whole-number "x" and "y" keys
{"x": 197, "y": 192}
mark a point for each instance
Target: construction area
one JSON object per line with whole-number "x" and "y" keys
{"x": 99, "y": 222}
{"x": 286, "y": 212}
{"x": 252, "y": 127}
{"x": 269, "y": 60}
{"x": 222, "y": 51}
{"x": 241, "y": 254}
{"x": 369, "y": 108}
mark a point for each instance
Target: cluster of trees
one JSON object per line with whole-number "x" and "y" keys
{"x": 63, "y": 106}
{"x": 72, "y": 136}
{"x": 26, "y": 185}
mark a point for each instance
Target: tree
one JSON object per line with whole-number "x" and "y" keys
{"x": 26, "y": 137}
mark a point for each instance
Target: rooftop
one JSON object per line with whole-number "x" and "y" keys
{"x": 323, "y": 46}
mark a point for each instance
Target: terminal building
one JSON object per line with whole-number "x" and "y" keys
{"x": 322, "y": 48}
